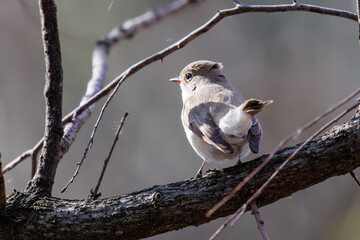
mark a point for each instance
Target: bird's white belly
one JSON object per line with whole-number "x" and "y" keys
{"x": 211, "y": 154}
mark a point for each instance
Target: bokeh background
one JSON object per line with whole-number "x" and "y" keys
{"x": 305, "y": 62}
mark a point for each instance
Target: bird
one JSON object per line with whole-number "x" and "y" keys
{"x": 219, "y": 123}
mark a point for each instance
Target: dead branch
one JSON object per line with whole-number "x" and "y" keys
{"x": 43, "y": 180}
{"x": 28, "y": 153}
{"x": 358, "y": 16}
{"x": 174, "y": 206}
{"x": 259, "y": 221}
{"x": 2, "y": 193}
{"x": 94, "y": 193}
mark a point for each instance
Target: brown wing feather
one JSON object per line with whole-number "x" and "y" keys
{"x": 206, "y": 128}
{"x": 255, "y": 134}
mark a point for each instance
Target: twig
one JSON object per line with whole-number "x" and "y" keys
{"x": 33, "y": 164}
{"x": 238, "y": 2}
{"x": 28, "y": 153}
{"x": 131, "y": 26}
{"x": 95, "y": 192}
{"x": 91, "y": 141}
{"x": 95, "y": 84}
{"x": 233, "y": 218}
{"x": 72, "y": 122}
{"x": 292, "y": 137}
{"x": 355, "y": 178}
{"x": 43, "y": 180}
{"x": 259, "y": 221}
{"x": 2, "y": 193}
{"x": 358, "y": 16}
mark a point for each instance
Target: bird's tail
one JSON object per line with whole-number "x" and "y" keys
{"x": 254, "y": 106}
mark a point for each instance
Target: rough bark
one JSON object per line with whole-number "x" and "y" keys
{"x": 174, "y": 206}
{"x": 43, "y": 180}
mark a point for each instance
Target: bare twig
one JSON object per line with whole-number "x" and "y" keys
{"x": 2, "y": 193}
{"x": 43, "y": 180}
{"x": 233, "y": 218}
{"x": 290, "y": 138}
{"x": 95, "y": 84}
{"x": 358, "y": 16}
{"x": 72, "y": 122}
{"x": 91, "y": 141}
{"x": 33, "y": 163}
{"x": 238, "y": 2}
{"x": 259, "y": 221}
{"x": 95, "y": 192}
{"x": 355, "y": 178}
{"x": 28, "y": 153}
{"x": 131, "y": 26}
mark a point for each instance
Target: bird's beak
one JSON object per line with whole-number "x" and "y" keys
{"x": 175, "y": 79}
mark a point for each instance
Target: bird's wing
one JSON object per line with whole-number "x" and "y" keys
{"x": 200, "y": 122}
{"x": 255, "y": 134}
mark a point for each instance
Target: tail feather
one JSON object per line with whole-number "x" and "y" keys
{"x": 254, "y": 106}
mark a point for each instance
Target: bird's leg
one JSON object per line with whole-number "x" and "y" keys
{"x": 199, "y": 173}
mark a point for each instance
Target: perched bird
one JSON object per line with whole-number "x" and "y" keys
{"x": 219, "y": 124}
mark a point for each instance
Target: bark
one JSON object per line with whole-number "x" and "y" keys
{"x": 174, "y": 206}
{"x": 43, "y": 180}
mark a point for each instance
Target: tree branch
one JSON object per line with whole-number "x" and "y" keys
{"x": 43, "y": 180}
{"x": 358, "y": 16}
{"x": 259, "y": 221}
{"x": 72, "y": 123}
{"x": 2, "y": 194}
{"x": 174, "y": 206}
{"x": 238, "y": 9}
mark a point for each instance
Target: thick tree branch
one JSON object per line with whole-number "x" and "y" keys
{"x": 174, "y": 206}
{"x": 44, "y": 178}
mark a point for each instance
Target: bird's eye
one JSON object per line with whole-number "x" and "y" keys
{"x": 188, "y": 76}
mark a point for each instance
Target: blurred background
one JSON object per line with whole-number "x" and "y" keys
{"x": 305, "y": 62}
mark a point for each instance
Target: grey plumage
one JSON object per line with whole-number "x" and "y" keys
{"x": 219, "y": 124}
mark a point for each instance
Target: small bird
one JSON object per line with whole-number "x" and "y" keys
{"x": 219, "y": 124}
